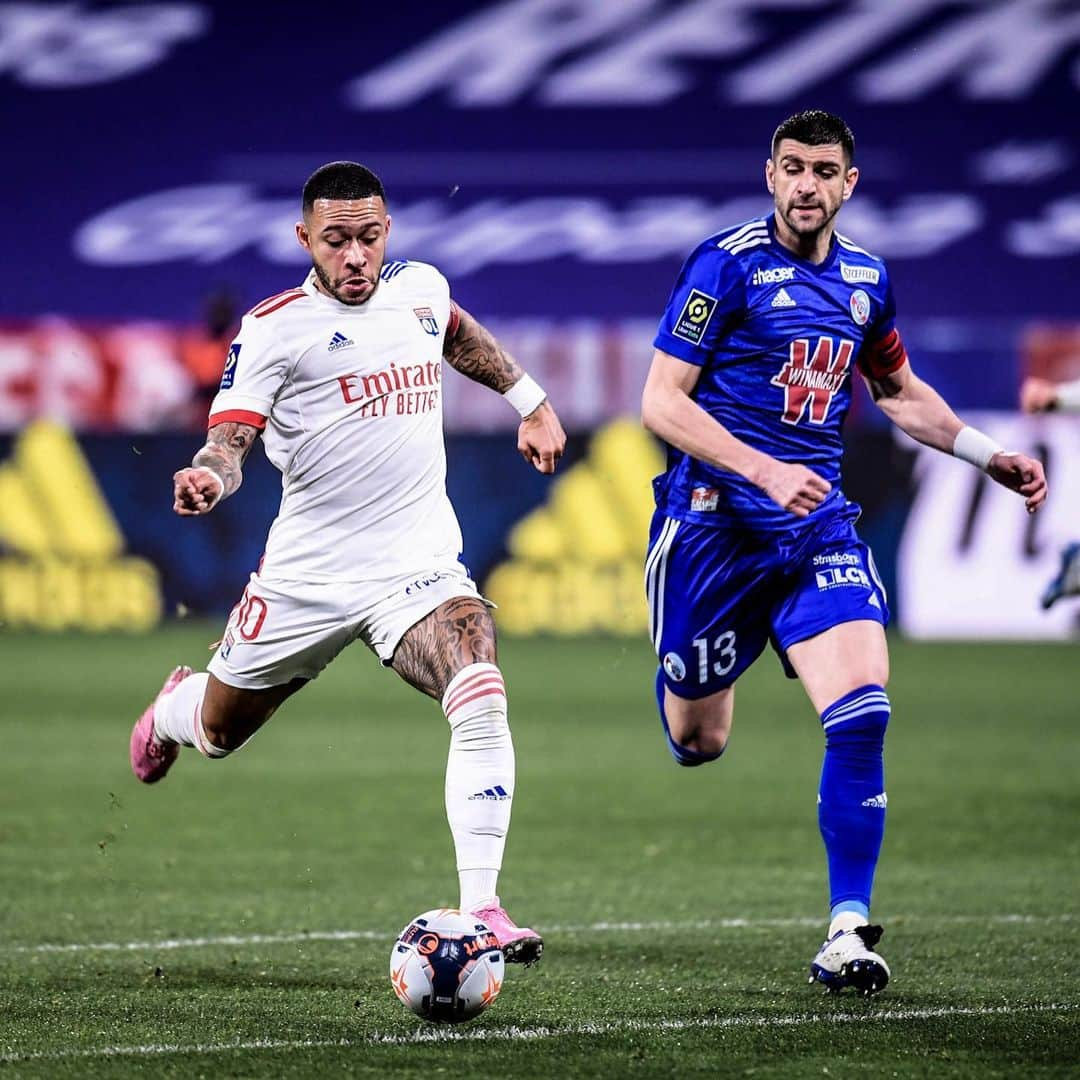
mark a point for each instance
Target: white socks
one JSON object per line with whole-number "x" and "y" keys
{"x": 845, "y": 920}
{"x": 479, "y": 779}
{"x": 178, "y": 716}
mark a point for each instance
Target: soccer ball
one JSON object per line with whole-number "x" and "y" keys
{"x": 446, "y": 966}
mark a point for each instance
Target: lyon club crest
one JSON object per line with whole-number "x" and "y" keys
{"x": 427, "y": 320}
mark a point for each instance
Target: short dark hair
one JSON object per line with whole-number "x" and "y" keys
{"x": 815, "y": 127}
{"x": 341, "y": 180}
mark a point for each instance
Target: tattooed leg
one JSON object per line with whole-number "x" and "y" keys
{"x": 451, "y": 656}
{"x": 456, "y": 634}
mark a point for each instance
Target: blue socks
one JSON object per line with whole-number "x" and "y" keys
{"x": 682, "y": 754}
{"x": 851, "y": 799}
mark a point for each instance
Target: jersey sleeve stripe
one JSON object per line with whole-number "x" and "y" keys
{"x": 270, "y": 299}
{"x": 752, "y": 241}
{"x": 743, "y": 235}
{"x": 262, "y": 313}
{"x": 844, "y": 242}
{"x": 454, "y": 321}
{"x": 237, "y": 416}
{"x": 739, "y": 232}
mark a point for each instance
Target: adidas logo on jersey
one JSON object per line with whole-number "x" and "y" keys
{"x": 878, "y": 802}
{"x": 498, "y": 793}
{"x": 771, "y": 277}
{"x": 783, "y": 299}
{"x": 339, "y": 341}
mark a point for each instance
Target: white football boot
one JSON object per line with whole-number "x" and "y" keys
{"x": 848, "y": 959}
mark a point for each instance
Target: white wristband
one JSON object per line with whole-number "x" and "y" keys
{"x": 215, "y": 475}
{"x": 974, "y": 447}
{"x": 1068, "y": 396}
{"x": 526, "y": 395}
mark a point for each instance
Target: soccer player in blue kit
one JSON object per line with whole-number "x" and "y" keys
{"x": 753, "y": 541}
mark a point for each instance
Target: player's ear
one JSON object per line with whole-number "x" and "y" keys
{"x": 850, "y": 181}
{"x": 388, "y": 224}
{"x": 770, "y": 172}
{"x": 303, "y": 238}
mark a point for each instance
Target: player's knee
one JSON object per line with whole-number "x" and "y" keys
{"x": 697, "y": 749}
{"x": 696, "y": 744}
{"x": 222, "y": 732}
{"x": 216, "y": 741}
{"x": 858, "y": 719}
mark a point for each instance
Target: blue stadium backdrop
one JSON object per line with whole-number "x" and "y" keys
{"x": 556, "y": 159}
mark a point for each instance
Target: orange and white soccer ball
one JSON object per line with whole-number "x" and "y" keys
{"x": 446, "y": 966}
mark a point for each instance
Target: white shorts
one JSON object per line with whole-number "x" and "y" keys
{"x": 285, "y": 630}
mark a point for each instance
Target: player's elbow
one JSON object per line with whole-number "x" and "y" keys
{"x": 652, "y": 412}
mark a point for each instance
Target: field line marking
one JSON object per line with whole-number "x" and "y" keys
{"x": 603, "y": 927}
{"x": 515, "y": 1033}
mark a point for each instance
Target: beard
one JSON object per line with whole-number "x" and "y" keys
{"x": 802, "y": 229}
{"x": 327, "y": 282}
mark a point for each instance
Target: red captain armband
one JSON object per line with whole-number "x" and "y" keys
{"x": 237, "y": 416}
{"x": 453, "y": 320}
{"x": 883, "y": 357}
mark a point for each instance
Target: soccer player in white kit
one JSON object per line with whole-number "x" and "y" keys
{"x": 342, "y": 377}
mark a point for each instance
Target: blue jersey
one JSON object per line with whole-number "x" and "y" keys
{"x": 777, "y": 339}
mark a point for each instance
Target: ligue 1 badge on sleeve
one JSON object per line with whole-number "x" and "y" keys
{"x": 860, "y": 306}
{"x": 229, "y": 373}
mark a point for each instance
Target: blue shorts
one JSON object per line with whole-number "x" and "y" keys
{"x": 717, "y": 595}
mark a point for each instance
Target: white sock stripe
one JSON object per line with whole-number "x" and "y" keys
{"x": 467, "y": 695}
{"x": 463, "y": 681}
{"x": 881, "y": 701}
{"x": 875, "y": 696}
{"x": 850, "y": 716}
{"x": 472, "y": 682}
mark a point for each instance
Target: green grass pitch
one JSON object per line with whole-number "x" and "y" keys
{"x": 237, "y": 918}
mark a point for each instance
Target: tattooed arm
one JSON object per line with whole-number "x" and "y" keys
{"x": 474, "y": 352}
{"x": 215, "y": 472}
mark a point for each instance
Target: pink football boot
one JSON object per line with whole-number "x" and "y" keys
{"x": 519, "y": 944}
{"x": 151, "y": 759}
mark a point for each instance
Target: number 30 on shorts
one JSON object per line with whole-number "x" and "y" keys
{"x": 721, "y": 652}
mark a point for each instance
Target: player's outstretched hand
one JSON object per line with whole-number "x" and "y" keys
{"x": 1037, "y": 395}
{"x": 1020, "y": 473}
{"x": 195, "y": 491}
{"x": 541, "y": 439}
{"x": 794, "y": 487}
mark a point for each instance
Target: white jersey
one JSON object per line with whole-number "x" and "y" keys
{"x": 351, "y": 400}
